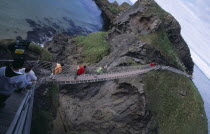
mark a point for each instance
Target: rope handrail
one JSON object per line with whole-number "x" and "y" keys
{"x": 44, "y": 69}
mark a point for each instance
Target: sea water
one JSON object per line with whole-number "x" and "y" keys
{"x": 38, "y": 20}
{"x": 203, "y": 85}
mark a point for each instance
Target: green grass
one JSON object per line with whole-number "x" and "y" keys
{"x": 7, "y": 42}
{"x": 53, "y": 96}
{"x": 124, "y": 6}
{"x": 95, "y": 46}
{"x": 44, "y": 54}
{"x": 40, "y": 122}
{"x": 43, "y": 117}
{"x": 155, "y": 9}
{"x": 114, "y": 9}
{"x": 175, "y": 103}
{"x": 160, "y": 41}
{"x": 33, "y": 50}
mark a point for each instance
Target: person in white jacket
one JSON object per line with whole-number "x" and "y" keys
{"x": 11, "y": 79}
{"x": 29, "y": 74}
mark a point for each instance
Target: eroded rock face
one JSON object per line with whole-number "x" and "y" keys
{"x": 146, "y": 18}
{"x": 64, "y": 49}
{"x": 173, "y": 30}
{"x": 127, "y": 49}
{"x": 110, "y": 11}
{"x": 114, "y": 107}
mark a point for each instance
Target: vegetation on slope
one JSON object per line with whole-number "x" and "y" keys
{"x": 45, "y": 114}
{"x": 34, "y": 51}
{"x": 159, "y": 38}
{"x": 94, "y": 46}
{"x": 124, "y": 6}
{"x": 44, "y": 54}
{"x": 160, "y": 41}
{"x": 111, "y": 8}
{"x": 175, "y": 103}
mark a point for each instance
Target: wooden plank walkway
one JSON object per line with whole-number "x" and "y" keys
{"x": 64, "y": 79}
{"x": 69, "y": 79}
{"x": 7, "y": 113}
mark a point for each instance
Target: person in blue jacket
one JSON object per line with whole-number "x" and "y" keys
{"x": 11, "y": 79}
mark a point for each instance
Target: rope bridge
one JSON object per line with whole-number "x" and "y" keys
{"x": 43, "y": 70}
{"x": 16, "y": 117}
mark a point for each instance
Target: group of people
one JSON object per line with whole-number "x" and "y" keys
{"x": 80, "y": 70}
{"x": 15, "y": 78}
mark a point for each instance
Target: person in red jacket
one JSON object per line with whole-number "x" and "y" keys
{"x": 80, "y": 71}
{"x": 152, "y": 64}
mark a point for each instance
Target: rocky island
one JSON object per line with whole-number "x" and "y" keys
{"x": 159, "y": 102}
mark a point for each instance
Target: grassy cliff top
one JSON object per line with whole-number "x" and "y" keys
{"x": 175, "y": 103}
{"x": 94, "y": 46}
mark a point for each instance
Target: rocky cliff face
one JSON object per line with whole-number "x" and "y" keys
{"x": 114, "y": 107}
{"x": 158, "y": 102}
{"x": 157, "y": 31}
{"x": 110, "y": 11}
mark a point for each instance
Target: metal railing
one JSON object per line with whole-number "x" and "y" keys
{"x": 21, "y": 123}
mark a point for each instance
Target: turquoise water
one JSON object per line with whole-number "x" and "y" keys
{"x": 55, "y": 16}
{"x": 203, "y": 85}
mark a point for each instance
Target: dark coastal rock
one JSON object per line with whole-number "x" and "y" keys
{"x": 41, "y": 33}
{"x": 64, "y": 49}
{"x": 110, "y": 11}
{"x": 118, "y": 106}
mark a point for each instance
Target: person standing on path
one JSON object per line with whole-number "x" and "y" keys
{"x": 80, "y": 71}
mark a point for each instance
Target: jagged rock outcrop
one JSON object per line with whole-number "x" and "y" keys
{"x": 110, "y": 11}
{"x": 63, "y": 48}
{"x": 157, "y": 29}
{"x": 114, "y": 107}
{"x": 173, "y": 30}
